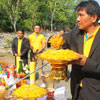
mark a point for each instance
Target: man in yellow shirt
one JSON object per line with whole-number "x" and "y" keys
{"x": 37, "y": 45}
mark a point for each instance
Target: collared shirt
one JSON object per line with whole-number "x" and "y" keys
{"x": 88, "y": 40}
{"x": 36, "y": 41}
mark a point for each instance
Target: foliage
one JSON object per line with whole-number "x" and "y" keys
{"x": 8, "y": 42}
{"x": 50, "y": 14}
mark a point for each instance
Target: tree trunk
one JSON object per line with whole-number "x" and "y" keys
{"x": 51, "y": 23}
{"x": 14, "y": 25}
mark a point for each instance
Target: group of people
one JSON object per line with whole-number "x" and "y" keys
{"x": 84, "y": 39}
{"x": 36, "y": 42}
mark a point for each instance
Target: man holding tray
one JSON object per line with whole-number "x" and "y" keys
{"x": 84, "y": 39}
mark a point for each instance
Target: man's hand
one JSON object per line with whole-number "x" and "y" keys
{"x": 54, "y": 36}
{"x": 82, "y": 60}
{"x": 19, "y": 55}
{"x": 39, "y": 51}
{"x": 34, "y": 51}
{"x": 15, "y": 54}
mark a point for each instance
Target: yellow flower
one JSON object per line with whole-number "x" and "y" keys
{"x": 58, "y": 54}
{"x": 29, "y": 91}
{"x": 56, "y": 41}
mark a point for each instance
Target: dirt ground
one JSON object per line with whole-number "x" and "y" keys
{"x": 9, "y": 58}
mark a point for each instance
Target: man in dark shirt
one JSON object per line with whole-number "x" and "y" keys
{"x": 20, "y": 46}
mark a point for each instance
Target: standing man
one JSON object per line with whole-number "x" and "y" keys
{"x": 20, "y": 46}
{"x": 85, "y": 40}
{"x": 37, "y": 45}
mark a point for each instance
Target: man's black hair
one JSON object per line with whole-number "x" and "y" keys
{"x": 61, "y": 29}
{"x": 38, "y": 25}
{"x": 20, "y": 30}
{"x": 91, "y": 7}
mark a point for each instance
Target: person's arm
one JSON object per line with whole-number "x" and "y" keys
{"x": 40, "y": 50}
{"x": 88, "y": 65}
{"x": 91, "y": 66}
{"x": 31, "y": 47}
{"x": 43, "y": 45}
{"x": 27, "y": 47}
{"x": 66, "y": 38}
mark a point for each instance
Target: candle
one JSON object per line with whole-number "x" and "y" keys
{"x": 17, "y": 63}
{"x": 32, "y": 76}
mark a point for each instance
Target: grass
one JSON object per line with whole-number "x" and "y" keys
{"x": 69, "y": 99}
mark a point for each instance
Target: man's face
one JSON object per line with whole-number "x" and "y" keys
{"x": 61, "y": 32}
{"x": 37, "y": 29}
{"x": 84, "y": 20}
{"x": 20, "y": 34}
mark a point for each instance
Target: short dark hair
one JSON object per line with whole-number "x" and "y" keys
{"x": 20, "y": 30}
{"x": 38, "y": 25}
{"x": 61, "y": 29}
{"x": 91, "y": 7}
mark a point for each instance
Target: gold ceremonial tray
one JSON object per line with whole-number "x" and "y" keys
{"x": 59, "y": 59}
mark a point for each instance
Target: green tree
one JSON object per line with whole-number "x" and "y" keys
{"x": 50, "y": 14}
{"x": 12, "y": 8}
{"x": 36, "y": 12}
{"x": 62, "y": 13}
{"x": 5, "y": 24}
